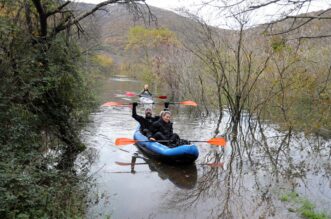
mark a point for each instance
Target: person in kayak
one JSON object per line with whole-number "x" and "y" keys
{"x": 162, "y": 130}
{"x": 145, "y": 122}
{"x": 166, "y": 106}
{"x": 145, "y": 92}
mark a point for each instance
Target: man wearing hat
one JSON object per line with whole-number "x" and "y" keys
{"x": 145, "y": 122}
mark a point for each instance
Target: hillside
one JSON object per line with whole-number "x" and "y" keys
{"x": 113, "y": 26}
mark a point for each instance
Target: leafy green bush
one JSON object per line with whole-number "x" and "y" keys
{"x": 44, "y": 102}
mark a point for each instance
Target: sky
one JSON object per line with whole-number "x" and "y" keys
{"x": 211, "y": 14}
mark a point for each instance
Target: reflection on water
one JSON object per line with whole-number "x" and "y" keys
{"x": 262, "y": 164}
{"x": 184, "y": 177}
{"x": 265, "y": 164}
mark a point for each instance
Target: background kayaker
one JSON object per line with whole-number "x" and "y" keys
{"x": 162, "y": 130}
{"x": 145, "y": 123}
{"x": 145, "y": 92}
{"x": 166, "y": 106}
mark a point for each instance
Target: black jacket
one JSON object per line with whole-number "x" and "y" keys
{"x": 145, "y": 93}
{"x": 163, "y": 127}
{"x": 144, "y": 123}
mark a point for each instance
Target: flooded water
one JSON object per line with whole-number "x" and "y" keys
{"x": 264, "y": 165}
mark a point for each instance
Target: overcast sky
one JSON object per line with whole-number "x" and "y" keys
{"x": 213, "y": 17}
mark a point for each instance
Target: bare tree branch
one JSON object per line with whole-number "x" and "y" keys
{"x": 292, "y": 28}
{"x": 58, "y": 9}
{"x": 253, "y": 7}
{"x": 314, "y": 37}
{"x": 325, "y": 82}
{"x": 68, "y": 22}
{"x": 310, "y": 17}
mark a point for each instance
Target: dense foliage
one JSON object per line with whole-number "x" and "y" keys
{"x": 44, "y": 100}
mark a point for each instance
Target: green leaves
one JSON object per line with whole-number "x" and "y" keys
{"x": 140, "y": 37}
{"x": 44, "y": 99}
{"x": 278, "y": 44}
{"x": 305, "y": 207}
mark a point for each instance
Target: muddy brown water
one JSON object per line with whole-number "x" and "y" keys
{"x": 265, "y": 164}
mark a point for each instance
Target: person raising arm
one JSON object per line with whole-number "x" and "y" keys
{"x": 145, "y": 122}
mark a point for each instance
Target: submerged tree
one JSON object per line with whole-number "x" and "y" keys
{"x": 265, "y": 70}
{"x": 231, "y": 64}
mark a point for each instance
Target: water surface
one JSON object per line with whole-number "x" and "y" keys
{"x": 265, "y": 164}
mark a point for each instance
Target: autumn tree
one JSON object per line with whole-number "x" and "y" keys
{"x": 153, "y": 47}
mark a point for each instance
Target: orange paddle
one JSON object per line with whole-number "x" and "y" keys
{"x": 126, "y": 141}
{"x": 186, "y": 103}
{"x": 116, "y": 104}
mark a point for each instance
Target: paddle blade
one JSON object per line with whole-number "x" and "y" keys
{"x": 122, "y": 163}
{"x": 217, "y": 141}
{"x": 162, "y": 97}
{"x": 130, "y": 94}
{"x": 112, "y": 104}
{"x": 124, "y": 141}
{"x": 189, "y": 103}
{"x": 128, "y": 164}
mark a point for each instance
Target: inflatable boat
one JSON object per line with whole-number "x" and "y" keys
{"x": 183, "y": 154}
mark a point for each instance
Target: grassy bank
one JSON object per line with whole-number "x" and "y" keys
{"x": 302, "y": 206}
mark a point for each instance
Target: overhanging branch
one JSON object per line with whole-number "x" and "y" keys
{"x": 58, "y": 9}
{"x": 69, "y": 22}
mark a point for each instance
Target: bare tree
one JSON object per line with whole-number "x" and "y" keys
{"x": 233, "y": 67}
{"x": 293, "y": 12}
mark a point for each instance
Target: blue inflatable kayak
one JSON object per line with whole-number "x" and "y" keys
{"x": 183, "y": 154}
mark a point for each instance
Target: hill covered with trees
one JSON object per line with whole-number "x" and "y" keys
{"x": 265, "y": 70}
